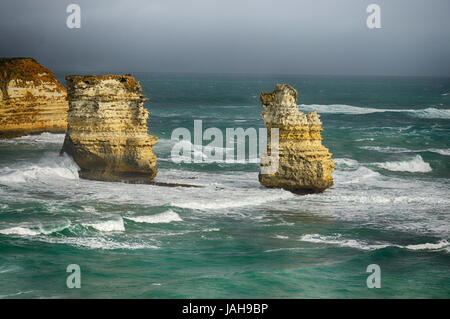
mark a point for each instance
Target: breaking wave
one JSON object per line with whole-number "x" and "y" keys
{"x": 43, "y": 138}
{"x": 34, "y": 230}
{"x": 96, "y": 243}
{"x": 362, "y": 245}
{"x": 22, "y": 231}
{"x": 390, "y": 149}
{"x": 221, "y": 203}
{"x": 430, "y": 112}
{"x": 166, "y": 217}
{"x": 443, "y": 244}
{"x": 107, "y": 225}
{"x": 190, "y": 152}
{"x": 415, "y": 165}
{"x": 52, "y": 166}
{"x": 440, "y": 151}
{"x": 339, "y": 241}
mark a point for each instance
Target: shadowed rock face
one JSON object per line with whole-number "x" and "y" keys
{"x": 107, "y": 129}
{"x": 305, "y": 165}
{"x": 31, "y": 99}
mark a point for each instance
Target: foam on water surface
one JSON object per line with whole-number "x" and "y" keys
{"x": 384, "y": 199}
{"x": 165, "y": 217}
{"x": 414, "y": 165}
{"x": 428, "y": 113}
{"x": 340, "y": 241}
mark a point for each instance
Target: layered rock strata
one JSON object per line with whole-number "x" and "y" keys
{"x": 107, "y": 133}
{"x": 31, "y": 99}
{"x": 304, "y": 164}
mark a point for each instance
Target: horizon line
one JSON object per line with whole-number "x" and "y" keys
{"x": 104, "y": 72}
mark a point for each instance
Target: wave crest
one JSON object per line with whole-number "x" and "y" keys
{"x": 53, "y": 166}
{"x": 165, "y": 217}
{"x": 362, "y": 245}
{"x": 429, "y": 113}
{"x": 415, "y": 165}
{"x": 34, "y": 231}
{"x": 107, "y": 225}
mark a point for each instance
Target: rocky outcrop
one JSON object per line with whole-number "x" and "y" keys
{"x": 107, "y": 132}
{"x": 304, "y": 164}
{"x": 31, "y": 99}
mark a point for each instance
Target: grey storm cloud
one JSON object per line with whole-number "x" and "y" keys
{"x": 245, "y": 36}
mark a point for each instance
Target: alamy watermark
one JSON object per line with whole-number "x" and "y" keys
{"x": 230, "y": 150}
{"x": 74, "y": 18}
{"x": 74, "y": 279}
{"x": 374, "y": 19}
{"x": 374, "y": 280}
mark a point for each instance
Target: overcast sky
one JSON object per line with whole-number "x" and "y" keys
{"x": 238, "y": 36}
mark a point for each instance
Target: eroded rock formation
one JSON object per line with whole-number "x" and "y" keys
{"x": 305, "y": 165}
{"x": 31, "y": 99}
{"x": 107, "y": 129}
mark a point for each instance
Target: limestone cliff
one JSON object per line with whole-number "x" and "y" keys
{"x": 107, "y": 129}
{"x": 305, "y": 165}
{"x": 31, "y": 99}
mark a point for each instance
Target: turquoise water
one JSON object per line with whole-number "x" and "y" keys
{"x": 234, "y": 238}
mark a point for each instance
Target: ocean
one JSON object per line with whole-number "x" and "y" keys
{"x": 233, "y": 238}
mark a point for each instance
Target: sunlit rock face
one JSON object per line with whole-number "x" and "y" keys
{"x": 31, "y": 99}
{"x": 107, "y": 133}
{"x": 305, "y": 165}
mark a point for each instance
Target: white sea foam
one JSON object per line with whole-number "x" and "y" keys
{"x": 52, "y": 166}
{"x": 21, "y": 231}
{"x": 432, "y": 113}
{"x": 350, "y": 171}
{"x": 91, "y": 242}
{"x": 218, "y": 203}
{"x": 165, "y": 217}
{"x": 96, "y": 243}
{"x": 356, "y": 176}
{"x": 414, "y": 165}
{"x": 346, "y": 162}
{"x": 89, "y": 209}
{"x": 388, "y": 149}
{"x": 443, "y": 244}
{"x": 203, "y": 154}
{"x": 354, "y": 110}
{"x": 338, "y": 240}
{"x": 360, "y": 194}
{"x": 107, "y": 225}
{"x": 341, "y": 109}
{"x": 365, "y": 139}
{"x": 440, "y": 151}
{"x": 43, "y": 138}
{"x": 34, "y": 230}
{"x": 207, "y": 230}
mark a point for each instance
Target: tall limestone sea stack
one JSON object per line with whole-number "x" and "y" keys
{"x": 31, "y": 99}
{"x": 107, "y": 129}
{"x": 305, "y": 165}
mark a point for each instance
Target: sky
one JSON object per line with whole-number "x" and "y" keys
{"x": 324, "y": 37}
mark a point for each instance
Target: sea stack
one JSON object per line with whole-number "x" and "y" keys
{"x": 304, "y": 164}
{"x": 31, "y": 99}
{"x": 107, "y": 133}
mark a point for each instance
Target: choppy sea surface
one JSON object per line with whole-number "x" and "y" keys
{"x": 390, "y": 204}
